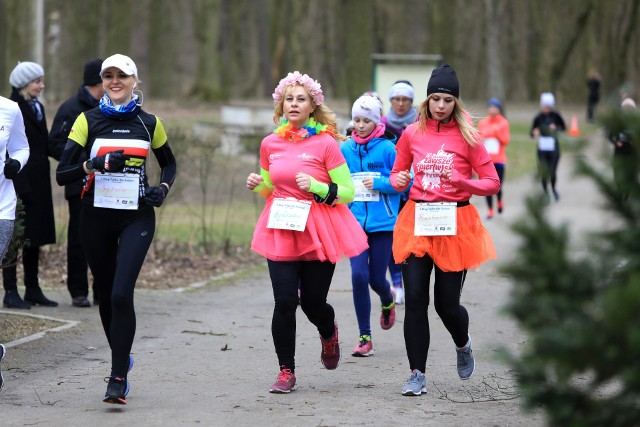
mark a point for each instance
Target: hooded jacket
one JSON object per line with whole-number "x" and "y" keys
{"x": 377, "y": 155}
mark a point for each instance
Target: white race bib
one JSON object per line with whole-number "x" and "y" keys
{"x": 492, "y": 145}
{"x": 435, "y": 219}
{"x": 116, "y": 190}
{"x": 363, "y": 194}
{"x": 546, "y": 143}
{"x": 289, "y": 214}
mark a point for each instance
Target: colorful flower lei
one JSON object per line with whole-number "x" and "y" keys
{"x": 312, "y": 86}
{"x": 291, "y": 133}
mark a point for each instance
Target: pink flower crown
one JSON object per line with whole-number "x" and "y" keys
{"x": 312, "y": 86}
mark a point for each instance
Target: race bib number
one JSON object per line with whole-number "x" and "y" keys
{"x": 546, "y": 143}
{"x": 289, "y": 214}
{"x": 116, "y": 191}
{"x": 435, "y": 219}
{"x": 492, "y": 145}
{"x": 363, "y": 194}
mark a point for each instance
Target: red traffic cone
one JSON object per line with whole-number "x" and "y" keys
{"x": 573, "y": 130}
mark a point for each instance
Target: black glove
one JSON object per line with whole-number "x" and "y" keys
{"x": 155, "y": 195}
{"x": 11, "y": 168}
{"x": 113, "y": 161}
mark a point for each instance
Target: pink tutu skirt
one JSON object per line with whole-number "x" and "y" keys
{"x": 330, "y": 234}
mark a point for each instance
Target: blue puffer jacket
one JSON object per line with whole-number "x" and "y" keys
{"x": 376, "y": 155}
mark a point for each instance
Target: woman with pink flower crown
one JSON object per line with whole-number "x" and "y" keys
{"x": 306, "y": 226}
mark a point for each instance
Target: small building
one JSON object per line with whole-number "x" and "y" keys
{"x": 391, "y": 67}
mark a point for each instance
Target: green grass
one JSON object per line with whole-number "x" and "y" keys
{"x": 231, "y": 223}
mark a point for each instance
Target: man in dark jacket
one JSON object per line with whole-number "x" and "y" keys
{"x": 88, "y": 97}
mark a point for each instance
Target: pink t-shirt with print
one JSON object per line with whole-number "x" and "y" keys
{"x": 439, "y": 148}
{"x": 315, "y": 156}
{"x": 331, "y": 232}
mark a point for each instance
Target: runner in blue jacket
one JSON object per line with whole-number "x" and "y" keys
{"x": 370, "y": 153}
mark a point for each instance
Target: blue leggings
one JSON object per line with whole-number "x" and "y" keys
{"x": 370, "y": 268}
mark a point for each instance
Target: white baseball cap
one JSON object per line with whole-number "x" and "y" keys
{"x": 121, "y": 62}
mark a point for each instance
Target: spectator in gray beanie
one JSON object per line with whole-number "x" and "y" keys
{"x": 24, "y": 73}
{"x": 33, "y": 187}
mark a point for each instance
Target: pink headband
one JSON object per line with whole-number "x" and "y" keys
{"x": 312, "y": 86}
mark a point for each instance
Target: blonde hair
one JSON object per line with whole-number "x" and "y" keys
{"x": 321, "y": 113}
{"x": 462, "y": 116}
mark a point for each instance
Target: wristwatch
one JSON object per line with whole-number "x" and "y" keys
{"x": 90, "y": 165}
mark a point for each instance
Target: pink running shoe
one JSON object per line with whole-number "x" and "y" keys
{"x": 285, "y": 383}
{"x": 330, "y": 355}
{"x": 388, "y": 315}
{"x": 364, "y": 347}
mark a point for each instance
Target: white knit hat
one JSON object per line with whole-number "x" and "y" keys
{"x": 401, "y": 89}
{"x": 368, "y": 107}
{"x": 121, "y": 62}
{"x": 24, "y": 73}
{"x": 547, "y": 100}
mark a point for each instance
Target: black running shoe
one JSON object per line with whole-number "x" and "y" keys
{"x": 117, "y": 390}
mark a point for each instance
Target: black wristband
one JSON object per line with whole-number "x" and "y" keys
{"x": 332, "y": 195}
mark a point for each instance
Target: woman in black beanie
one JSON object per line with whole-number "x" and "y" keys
{"x": 439, "y": 230}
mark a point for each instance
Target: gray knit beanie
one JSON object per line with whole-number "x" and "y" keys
{"x": 24, "y": 73}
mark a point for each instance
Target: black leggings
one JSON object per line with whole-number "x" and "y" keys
{"x": 547, "y": 164}
{"x": 500, "y": 172}
{"x": 115, "y": 243}
{"x": 416, "y": 273}
{"x": 313, "y": 278}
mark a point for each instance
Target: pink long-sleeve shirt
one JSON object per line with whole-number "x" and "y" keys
{"x": 432, "y": 151}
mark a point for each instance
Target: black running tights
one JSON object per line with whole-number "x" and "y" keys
{"x": 547, "y": 164}
{"x": 416, "y": 273}
{"x": 115, "y": 243}
{"x": 314, "y": 279}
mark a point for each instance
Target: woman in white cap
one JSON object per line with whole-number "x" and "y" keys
{"x": 545, "y": 130}
{"x": 33, "y": 187}
{"x": 117, "y": 217}
{"x": 370, "y": 153}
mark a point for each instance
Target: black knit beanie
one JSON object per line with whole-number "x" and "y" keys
{"x": 443, "y": 80}
{"x": 91, "y": 74}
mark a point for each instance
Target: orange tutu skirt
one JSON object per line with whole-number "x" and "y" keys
{"x": 470, "y": 247}
{"x": 330, "y": 234}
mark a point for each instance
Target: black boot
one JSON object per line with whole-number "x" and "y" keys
{"x": 34, "y": 296}
{"x": 12, "y": 300}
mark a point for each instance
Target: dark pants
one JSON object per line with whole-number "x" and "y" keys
{"x": 447, "y": 288}
{"x": 500, "y": 172}
{"x": 548, "y": 164}
{"x": 314, "y": 279}
{"x": 77, "y": 268}
{"x": 115, "y": 243}
{"x": 591, "y": 109}
{"x": 30, "y": 261}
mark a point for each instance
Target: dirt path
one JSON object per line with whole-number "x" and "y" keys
{"x": 206, "y": 357}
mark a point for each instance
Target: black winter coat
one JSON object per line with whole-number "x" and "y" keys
{"x": 33, "y": 183}
{"x": 62, "y": 123}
